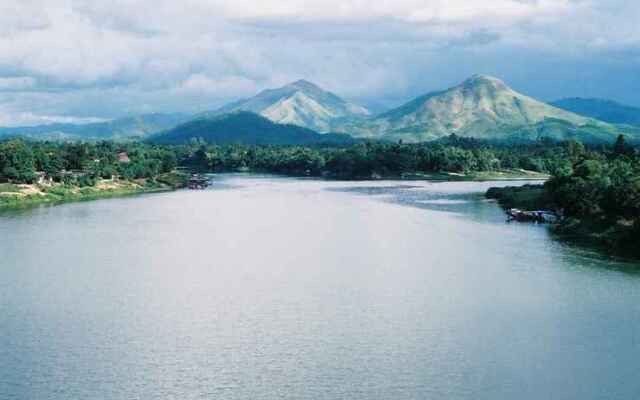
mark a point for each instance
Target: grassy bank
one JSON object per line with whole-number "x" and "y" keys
{"x": 27, "y": 195}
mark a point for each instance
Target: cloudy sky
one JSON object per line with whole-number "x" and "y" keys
{"x": 85, "y": 60}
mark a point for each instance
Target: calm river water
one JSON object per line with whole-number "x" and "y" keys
{"x": 277, "y": 288}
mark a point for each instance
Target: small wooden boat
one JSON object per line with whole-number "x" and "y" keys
{"x": 198, "y": 182}
{"x": 532, "y": 216}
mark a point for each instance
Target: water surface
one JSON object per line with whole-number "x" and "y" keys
{"x": 277, "y": 288}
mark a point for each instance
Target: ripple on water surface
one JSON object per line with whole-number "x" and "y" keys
{"x": 270, "y": 288}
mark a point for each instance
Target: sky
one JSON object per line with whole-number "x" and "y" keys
{"x": 90, "y": 60}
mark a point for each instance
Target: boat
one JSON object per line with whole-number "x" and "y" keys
{"x": 198, "y": 182}
{"x": 541, "y": 216}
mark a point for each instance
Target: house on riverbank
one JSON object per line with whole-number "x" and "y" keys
{"x": 123, "y": 157}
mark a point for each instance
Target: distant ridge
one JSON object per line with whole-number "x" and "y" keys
{"x": 602, "y": 109}
{"x": 299, "y": 103}
{"x": 133, "y": 127}
{"x": 482, "y": 107}
{"x": 243, "y": 127}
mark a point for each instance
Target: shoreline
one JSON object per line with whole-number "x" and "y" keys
{"x": 504, "y": 175}
{"x": 20, "y": 196}
{"x": 611, "y": 237}
{"x": 15, "y": 202}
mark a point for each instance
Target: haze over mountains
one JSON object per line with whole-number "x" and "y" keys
{"x": 127, "y": 128}
{"x": 480, "y": 107}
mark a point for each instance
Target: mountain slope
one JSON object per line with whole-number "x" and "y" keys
{"x": 134, "y": 127}
{"x": 481, "y": 107}
{"x": 604, "y": 110}
{"x": 299, "y": 103}
{"x": 244, "y": 127}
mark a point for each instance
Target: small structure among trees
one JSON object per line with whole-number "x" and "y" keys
{"x": 123, "y": 157}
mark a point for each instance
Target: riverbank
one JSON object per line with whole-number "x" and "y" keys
{"x": 28, "y": 195}
{"x": 500, "y": 175}
{"x": 526, "y": 197}
{"x": 614, "y": 236}
{"x": 474, "y": 176}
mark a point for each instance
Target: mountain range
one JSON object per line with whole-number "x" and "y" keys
{"x": 603, "y": 110}
{"x": 127, "y": 128}
{"x": 480, "y": 107}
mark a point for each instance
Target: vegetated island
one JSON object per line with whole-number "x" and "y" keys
{"x": 597, "y": 195}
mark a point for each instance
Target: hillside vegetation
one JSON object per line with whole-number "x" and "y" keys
{"x": 603, "y": 110}
{"x": 244, "y": 127}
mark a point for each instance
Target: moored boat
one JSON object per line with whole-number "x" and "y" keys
{"x": 198, "y": 182}
{"x": 533, "y": 216}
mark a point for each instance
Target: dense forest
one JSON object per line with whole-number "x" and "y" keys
{"x": 81, "y": 163}
{"x": 21, "y": 161}
{"x": 378, "y": 159}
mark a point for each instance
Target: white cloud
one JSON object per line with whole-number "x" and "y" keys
{"x": 30, "y": 119}
{"x": 199, "y": 83}
{"x": 161, "y": 54}
{"x": 17, "y": 83}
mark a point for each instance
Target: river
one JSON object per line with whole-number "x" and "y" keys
{"x": 278, "y": 288}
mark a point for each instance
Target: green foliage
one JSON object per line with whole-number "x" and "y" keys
{"x": 244, "y": 127}
{"x": 603, "y": 110}
{"x": 82, "y": 163}
{"x": 527, "y": 197}
{"x": 17, "y": 162}
{"x": 598, "y": 192}
{"x": 601, "y": 186}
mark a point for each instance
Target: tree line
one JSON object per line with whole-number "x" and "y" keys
{"x": 377, "y": 159}
{"x": 21, "y": 160}
{"x": 81, "y": 163}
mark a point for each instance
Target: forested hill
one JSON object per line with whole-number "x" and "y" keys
{"x": 244, "y": 127}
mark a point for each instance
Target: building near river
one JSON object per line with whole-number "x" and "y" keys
{"x": 123, "y": 157}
